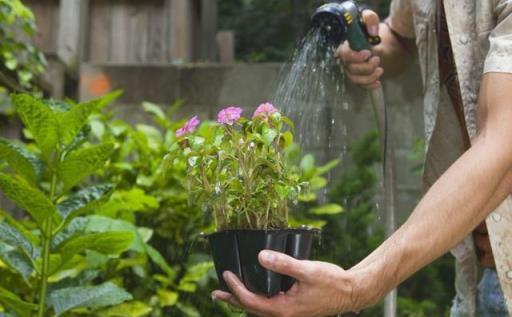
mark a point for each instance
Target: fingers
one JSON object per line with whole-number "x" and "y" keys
{"x": 241, "y": 297}
{"x": 365, "y": 80}
{"x": 372, "y": 21}
{"x": 284, "y": 264}
{"x": 364, "y": 69}
{"x": 348, "y": 56}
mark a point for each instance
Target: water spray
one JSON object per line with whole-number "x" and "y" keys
{"x": 339, "y": 22}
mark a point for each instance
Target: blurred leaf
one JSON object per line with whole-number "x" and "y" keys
{"x": 16, "y": 260}
{"x": 269, "y": 135}
{"x": 28, "y": 198}
{"x": 21, "y": 160}
{"x": 327, "y": 167}
{"x": 188, "y": 310}
{"x": 14, "y": 303}
{"x": 82, "y": 163}
{"x": 167, "y": 298}
{"x": 130, "y": 309}
{"x": 15, "y": 238}
{"x": 107, "y": 294}
{"x": 329, "y": 209}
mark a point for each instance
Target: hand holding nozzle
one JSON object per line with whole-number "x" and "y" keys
{"x": 362, "y": 67}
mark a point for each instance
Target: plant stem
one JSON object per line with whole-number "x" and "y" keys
{"x": 47, "y": 240}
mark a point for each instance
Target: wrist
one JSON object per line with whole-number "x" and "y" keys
{"x": 366, "y": 288}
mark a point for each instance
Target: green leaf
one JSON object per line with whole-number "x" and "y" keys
{"x": 107, "y": 294}
{"x": 21, "y": 160}
{"x": 287, "y": 138}
{"x": 16, "y": 260}
{"x": 154, "y": 110}
{"x": 108, "y": 243}
{"x": 307, "y": 165}
{"x": 188, "y": 310}
{"x": 167, "y": 298}
{"x": 130, "y": 309}
{"x": 329, "y": 209}
{"x": 15, "y": 238}
{"x": 73, "y": 120}
{"x": 83, "y": 201}
{"x": 194, "y": 274}
{"x": 28, "y": 198}
{"x": 327, "y": 167}
{"x": 40, "y": 120}
{"x": 82, "y": 163}
{"x": 14, "y": 303}
{"x": 105, "y": 224}
{"x": 269, "y": 135}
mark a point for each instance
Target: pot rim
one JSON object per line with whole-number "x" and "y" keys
{"x": 304, "y": 229}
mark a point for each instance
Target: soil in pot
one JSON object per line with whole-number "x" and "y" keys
{"x": 226, "y": 255}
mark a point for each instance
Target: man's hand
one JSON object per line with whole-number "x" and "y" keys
{"x": 361, "y": 67}
{"x": 322, "y": 289}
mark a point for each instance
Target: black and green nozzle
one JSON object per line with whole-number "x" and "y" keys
{"x": 341, "y": 21}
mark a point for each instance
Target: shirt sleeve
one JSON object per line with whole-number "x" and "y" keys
{"x": 499, "y": 56}
{"x": 401, "y": 18}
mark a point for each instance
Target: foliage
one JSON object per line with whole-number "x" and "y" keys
{"x": 240, "y": 170}
{"x": 46, "y": 258}
{"x": 148, "y": 197}
{"x": 20, "y": 61}
{"x": 350, "y": 237}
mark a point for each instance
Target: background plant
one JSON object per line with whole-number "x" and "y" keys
{"x": 45, "y": 257}
{"x": 20, "y": 61}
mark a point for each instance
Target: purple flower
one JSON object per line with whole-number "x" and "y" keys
{"x": 264, "y": 110}
{"x": 189, "y": 127}
{"x": 229, "y": 115}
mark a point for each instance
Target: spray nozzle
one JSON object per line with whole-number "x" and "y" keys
{"x": 340, "y": 21}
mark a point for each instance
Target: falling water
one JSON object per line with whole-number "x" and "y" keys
{"x": 310, "y": 91}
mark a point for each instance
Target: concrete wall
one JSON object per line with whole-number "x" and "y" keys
{"x": 207, "y": 88}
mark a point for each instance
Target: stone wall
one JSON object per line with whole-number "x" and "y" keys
{"x": 206, "y": 88}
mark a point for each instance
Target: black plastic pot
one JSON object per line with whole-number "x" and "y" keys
{"x": 237, "y": 251}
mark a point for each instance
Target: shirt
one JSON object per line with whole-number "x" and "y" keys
{"x": 481, "y": 37}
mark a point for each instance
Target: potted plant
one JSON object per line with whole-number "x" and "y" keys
{"x": 239, "y": 171}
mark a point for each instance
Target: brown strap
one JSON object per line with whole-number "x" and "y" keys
{"x": 448, "y": 71}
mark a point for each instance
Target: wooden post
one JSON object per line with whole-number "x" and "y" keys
{"x": 182, "y": 30}
{"x": 207, "y": 45}
{"x": 72, "y": 33}
{"x": 226, "y": 45}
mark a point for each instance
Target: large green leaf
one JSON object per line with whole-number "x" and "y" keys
{"x": 15, "y": 304}
{"x": 21, "y": 160}
{"x": 16, "y": 260}
{"x": 27, "y": 197}
{"x": 193, "y": 275}
{"x": 108, "y": 243}
{"x": 105, "y": 224}
{"x": 15, "y": 238}
{"x": 73, "y": 120}
{"x": 329, "y": 209}
{"x": 130, "y": 309}
{"x": 40, "y": 120}
{"x": 83, "y": 201}
{"x": 82, "y": 163}
{"x": 107, "y": 294}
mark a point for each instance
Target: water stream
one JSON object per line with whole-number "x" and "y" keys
{"x": 310, "y": 91}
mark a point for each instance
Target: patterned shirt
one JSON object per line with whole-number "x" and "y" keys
{"x": 481, "y": 38}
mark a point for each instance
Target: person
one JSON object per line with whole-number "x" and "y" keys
{"x": 464, "y": 49}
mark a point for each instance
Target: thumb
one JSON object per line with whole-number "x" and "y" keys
{"x": 284, "y": 264}
{"x": 372, "y": 20}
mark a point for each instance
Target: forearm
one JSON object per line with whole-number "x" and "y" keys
{"x": 396, "y": 53}
{"x": 474, "y": 186}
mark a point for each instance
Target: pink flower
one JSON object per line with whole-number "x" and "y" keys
{"x": 264, "y": 110}
{"x": 189, "y": 127}
{"x": 229, "y": 115}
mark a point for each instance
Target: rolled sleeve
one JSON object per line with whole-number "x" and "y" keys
{"x": 401, "y": 18}
{"x": 499, "y": 56}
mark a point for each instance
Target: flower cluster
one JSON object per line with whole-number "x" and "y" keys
{"x": 228, "y": 116}
{"x": 238, "y": 167}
